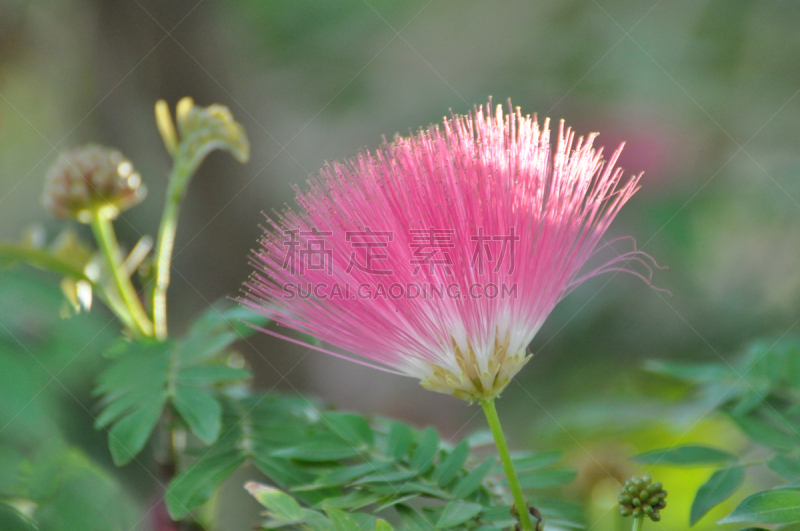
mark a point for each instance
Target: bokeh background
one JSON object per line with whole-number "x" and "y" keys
{"x": 704, "y": 93}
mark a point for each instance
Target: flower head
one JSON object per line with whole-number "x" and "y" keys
{"x": 640, "y": 496}
{"x": 92, "y": 178}
{"x": 440, "y": 255}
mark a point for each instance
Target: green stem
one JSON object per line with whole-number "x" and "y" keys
{"x": 638, "y": 522}
{"x": 166, "y": 243}
{"x": 502, "y": 449}
{"x": 107, "y": 241}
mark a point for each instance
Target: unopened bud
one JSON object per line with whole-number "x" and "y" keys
{"x": 92, "y": 179}
{"x": 640, "y": 496}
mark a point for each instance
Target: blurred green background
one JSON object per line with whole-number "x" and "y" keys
{"x": 704, "y": 93}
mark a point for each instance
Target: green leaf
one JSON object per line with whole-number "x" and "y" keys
{"x": 207, "y": 375}
{"x": 401, "y": 439}
{"x": 473, "y": 480}
{"x": 382, "y": 525}
{"x": 341, "y": 520}
{"x": 280, "y": 505}
{"x": 457, "y": 512}
{"x": 201, "y": 412}
{"x": 393, "y": 476}
{"x": 689, "y": 455}
{"x": 216, "y": 330}
{"x": 395, "y": 501}
{"x": 195, "y": 349}
{"x": 320, "y": 447}
{"x": 778, "y": 506}
{"x": 193, "y": 487}
{"x": 343, "y": 475}
{"x": 452, "y": 464}
{"x": 766, "y": 433}
{"x": 135, "y": 392}
{"x": 545, "y": 479}
{"x": 787, "y": 467}
{"x": 530, "y": 463}
{"x": 147, "y": 373}
{"x": 129, "y": 435}
{"x": 13, "y": 520}
{"x": 409, "y": 487}
{"x": 75, "y": 493}
{"x": 355, "y": 499}
{"x": 281, "y": 471}
{"x": 10, "y": 254}
{"x": 351, "y": 427}
{"x": 413, "y": 520}
{"x": 720, "y": 486}
{"x": 252, "y": 427}
{"x": 422, "y": 458}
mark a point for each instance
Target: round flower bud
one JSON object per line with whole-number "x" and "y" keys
{"x": 640, "y": 496}
{"x": 92, "y": 179}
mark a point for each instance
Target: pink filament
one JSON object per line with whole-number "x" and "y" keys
{"x": 489, "y": 171}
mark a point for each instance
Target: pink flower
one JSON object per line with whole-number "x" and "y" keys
{"x": 440, "y": 255}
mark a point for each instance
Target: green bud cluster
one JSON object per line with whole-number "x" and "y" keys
{"x": 640, "y": 496}
{"x": 92, "y": 179}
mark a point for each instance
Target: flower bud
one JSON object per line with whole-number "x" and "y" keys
{"x": 640, "y": 496}
{"x": 92, "y": 179}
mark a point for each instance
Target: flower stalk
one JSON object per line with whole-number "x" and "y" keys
{"x": 107, "y": 241}
{"x": 638, "y": 523}
{"x": 165, "y": 245}
{"x": 199, "y": 131}
{"x": 508, "y": 467}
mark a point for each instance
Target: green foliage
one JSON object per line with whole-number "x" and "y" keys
{"x": 12, "y": 254}
{"x": 776, "y": 506}
{"x": 13, "y": 520}
{"x": 149, "y": 375}
{"x": 283, "y": 511}
{"x": 689, "y": 455}
{"x": 334, "y": 461}
{"x": 760, "y": 394}
{"x": 46, "y": 482}
{"x": 339, "y": 467}
{"x": 720, "y": 486}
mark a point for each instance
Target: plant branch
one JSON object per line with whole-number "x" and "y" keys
{"x": 502, "y": 449}
{"x": 176, "y": 190}
{"x": 107, "y": 242}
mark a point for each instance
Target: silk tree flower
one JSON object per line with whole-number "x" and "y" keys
{"x": 479, "y": 209}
